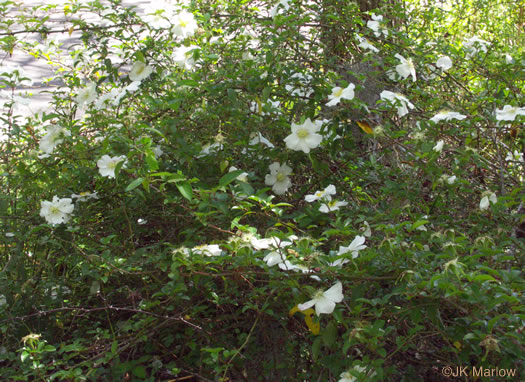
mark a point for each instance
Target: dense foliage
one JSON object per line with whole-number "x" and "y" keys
{"x": 245, "y": 190}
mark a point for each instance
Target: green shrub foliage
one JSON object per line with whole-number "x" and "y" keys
{"x": 257, "y": 191}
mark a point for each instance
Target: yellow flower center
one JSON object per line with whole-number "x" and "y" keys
{"x": 302, "y": 133}
{"x": 318, "y": 294}
{"x": 54, "y": 210}
{"x": 183, "y": 23}
{"x": 338, "y": 93}
{"x": 281, "y": 177}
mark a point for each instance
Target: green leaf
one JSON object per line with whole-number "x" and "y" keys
{"x": 139, "y": 372}
{"x": 137, "y": 182}
{"x": 114, "y": 347}
{"x": 419, "y": 223}
{"x": 49, "y": 348}
{"x": 330, "y": 334}
{"x": 24, "y": 355}
{"x": 152, "y": 162}
{"x": 185, "y": 190}
{"x": 483, "y": 278}
{"x": 229, "y": 177}
{"x": 316, "y": 348}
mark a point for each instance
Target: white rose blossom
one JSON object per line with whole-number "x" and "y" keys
{"x": 325, "y": 194}
{"x": 57, "y": 211}
{"x": 509, "y": 113}
{"x": 474, "y": 45}
{"x": 324, "y": 302}
{"x": 447, "y": 115}
{"x": 402, "y": 103}
{"x": 106, "y": 165}
{"x": 279, "y": 178}
{"x": 355, "y": 246}
{"x": 367, "y": 231}
{"x": 375, "y": 25}
{"x": 207, "y": 250}
{"x": 183, "y": 56}
{"x": 487, "y": 198}
{"x": 52, "y": 139}
{"x": 304, "y": 137}
{"x": 86, "y": 95}
{"x": 439, "y": 146}
{"x": 444, "y": 63}
{"x": 184, "y": 24}
{"x": 339, "y": 93}
{"x": 365, "y": 44}
{"x": 84, "y": 196}
{"x": 243, "y": 177}
{"x": 139, "y": 71}
{"x": 406, "y": 67}
{"x": 331, "y": 206}
{"x": 515, "y": 156}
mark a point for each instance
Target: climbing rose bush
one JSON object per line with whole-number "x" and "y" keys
{"x": 337, "y": 183}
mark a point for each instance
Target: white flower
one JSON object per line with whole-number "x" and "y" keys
{"x": 304, "y": 137}
{"x": 439, "y": 146}
{"x": 243, "y": 177}
{"x": 474, "y": 44}
{"x": 184, "y": 24}
{"x": 398, "y": 99}
{"x": 157, "y": 151}
{"x": 183, "y": 56}
{"x": 279, "y": 178}
{"x": 331, "y": 206}
{"x": 355, "y": 246}
{"x": 367, "y": 232}
{"x": 447, "y": 115}
{"x": 365, "y": 44}
{"x": 140, "y": 71}
{"x": 258, "y": 138}
{"x": 340, "y": 93}
{"x": 451, "y": 179}
{"x": 86, "y": 95}
{"x": 207, "y": 250}
{"x": 274, "y": 258}
{"x": 509, "y": 113}
{"x": 106, "y": 165}
{"x": 348, "y": 377}
{"x": 508, "y": 59}
{"x": 406, "y": 68}
{"x": 325, "y": 301}
{"x": 156, "y": 19}
{"x": 271, "y": 242}
{"x": 209, "y": 147}
{"x": 52, "y": 138}
{"x": 84, "y": 196}
{"x": 282, "y": 4}
{"x": 115, "y": 95}
{"x": 516, "y": 156}
{"x": 133, "y": 86}
{"x": 325, "y": 194}
{"x": 3, "y": 301}
{"x": 487, "y": 198}
{"x": 9, "y": 234}
{"x": 444, "y": 63}
{"x": 57, "y": 211}
{"x": 375, "y": 25}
